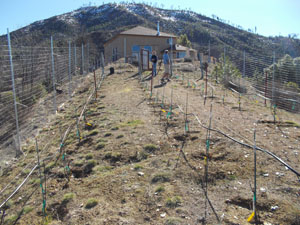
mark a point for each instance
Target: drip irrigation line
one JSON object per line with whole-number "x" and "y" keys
{"x": 251, "y": 147}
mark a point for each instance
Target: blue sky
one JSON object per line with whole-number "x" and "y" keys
{"x": 271, "y": 17}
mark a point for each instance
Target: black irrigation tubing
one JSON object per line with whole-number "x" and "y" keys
{"x": 251, "y": 147}
{"x": 61, "y": 145}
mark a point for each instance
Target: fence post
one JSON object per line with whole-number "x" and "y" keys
{"x": 18, "y": 144}
{"x": 82, "y": 59}
{"x": 70, "y": 78}
{"x": 53, "y": 77}
{"x": 254, "y": 191}
{"x": 201, "y": 67}
{"x": 75, "y": 59}
{"x": 88, "y": 57}
{"x": 102, "y": 62}
{"x": 244, "y": 64}
{"x": 273, "y": 80}
{"x": 224, "y": 63}
{"x": 171, "y": 66}
{"x": 208, "y": 51}
{"x": 125, "y": 50}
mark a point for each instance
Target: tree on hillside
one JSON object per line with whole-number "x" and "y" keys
{"x": 286, "y": 70}
{"x": 183, "y": 40}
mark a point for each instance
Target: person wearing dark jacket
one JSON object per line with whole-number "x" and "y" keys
{"x": 154, "y": 60}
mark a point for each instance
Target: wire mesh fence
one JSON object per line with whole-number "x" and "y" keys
{"x": 36, "y": 80}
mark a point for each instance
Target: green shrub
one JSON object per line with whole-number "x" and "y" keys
{"x": 138, "y": 167}
{"x": 107, "y": 134}
{"x": 91, "y": 203}
{"x": 161, "y": 177}
{"x": 160, "y": 189}
{"x": 150, "y": 148}
{"x": 174, "y": 202}
{"x": 120, "y": 136}
{"x": 100, "y": 146}
{"x": 67, "y": 198}
{"x": 89, "y": 156}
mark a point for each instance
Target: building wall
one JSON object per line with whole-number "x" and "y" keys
{"x": 115, "y": 49}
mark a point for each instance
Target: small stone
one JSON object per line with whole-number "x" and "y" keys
{"x": 81, "y": 205}
{"x": 163, "y": 215}
{"x": 265, "y": 174}
{"x": 273, "y": 208}
{"x": 141, "y": 174}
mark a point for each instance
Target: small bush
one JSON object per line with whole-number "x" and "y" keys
{"x": 100, "y": 146}
{"x": 91, "y": 163}
{"x": 67, "y": 198}
{"x": 93, "y": 133}
{"x": 104, "y": 168}
{"x": 107, "y": 134}
{"x": 150, "y": 148}
{"x": 120, "y": 136}
{"x": 160, "y": 189}
{"x": 91, "y": 203}
{"x": 174, "y": 202}
{"x": 79, "y": 163}
{"x": 173, "y": 221}
{"x": 89, "y": 156}
{"x": 115, "y": 128}
{"x": 143, "y": 155}
{"x": 161, "y": 177}
{"x": 138, "y": 167}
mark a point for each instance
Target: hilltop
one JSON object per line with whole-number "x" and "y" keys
{"x": 97, "y": 25}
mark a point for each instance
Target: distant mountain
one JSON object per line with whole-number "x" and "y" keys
{"x": 97, "y": 25}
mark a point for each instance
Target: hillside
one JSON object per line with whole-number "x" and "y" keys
{"x": 142, "y": 159}
{"x": 96, "y": 25}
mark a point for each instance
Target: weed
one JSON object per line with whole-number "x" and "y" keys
{"x": 67, "y": 198}
{"x": 120, "y": 136}
{"x": 11, "y": 220}
{"x": 104, "y": 168}
{"x": 27, "y": 209}
{"x": 115, "y": 128}
{"x": 79, "y": 163}
{"x": 132, "y": 123}
{"x": 91, "y": 163}
{"x": 93, "y": 132}
{"x": 161, "y": 177}
{"x": 231, "y": 177}
{"x": 49, "y": 166}
{"x": 138, "y": 167}
{"x": 160, "y": 189}
{"x": 150, "y": 148}
{"x": 100, "y": 146}
{"x": 173, "y": 221}
{"x": 107, "y": 134}
{"x": 91, "y": 203}
{"x": 89, "y": 156}
{"x": 174, "y": 202}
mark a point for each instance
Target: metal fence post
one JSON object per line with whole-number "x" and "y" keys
{"x": 18, "y": 144}
{"x": 125, "y": 50}
{"x": 102, "y": 62}
{"x": 53, "y": 76}
{"x": 82, "y": 59}
{"x": 171, "y": 66}
{"x": 224, "y": 62}
{"x": 244, "y": 64}
{"x": 273, "y": 80}
{"x": 88, "y": 57}
{"x": 75, "y": 59}
{"x": 70, "y": 78}
{"x": 208, "y": 51}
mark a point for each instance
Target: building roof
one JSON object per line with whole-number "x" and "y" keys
{"x": 143, "y": 31}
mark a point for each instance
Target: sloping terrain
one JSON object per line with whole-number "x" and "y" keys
{"x": 96, "y": 25}
{"x": 140, "y": 159}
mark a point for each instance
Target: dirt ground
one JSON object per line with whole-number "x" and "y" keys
{"x": 141, "y": 158}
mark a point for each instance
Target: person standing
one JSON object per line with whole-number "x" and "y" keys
{"x": 166, "y": 60}
{"x": 154, "y": 60}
